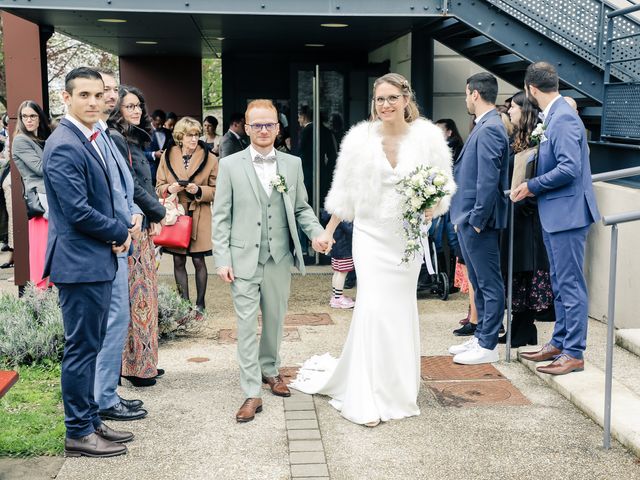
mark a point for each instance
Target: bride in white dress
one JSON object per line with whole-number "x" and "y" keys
{"x": 377, "y": 377}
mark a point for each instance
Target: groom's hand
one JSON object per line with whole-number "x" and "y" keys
{"x": 226, "y": 274}
{"x": 323, "y": 243}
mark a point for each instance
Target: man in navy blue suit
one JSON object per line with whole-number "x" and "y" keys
{"x": 567, "y": 208}
{"x": 479, "y": 211}
{"x": 85, "y": 235}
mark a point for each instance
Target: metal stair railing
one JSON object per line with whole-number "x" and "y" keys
{"x": 599, "y": 177}
{"x": 621, "y": 100}
{"x": 579, "y": 26}
{"x": 613, "y": 221}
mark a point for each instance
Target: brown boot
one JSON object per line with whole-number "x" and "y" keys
{"x": 278, "y": 387}
{"x": 547, "y": 352}
{"x": 248, "y": 410}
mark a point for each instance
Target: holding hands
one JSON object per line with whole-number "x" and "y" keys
{"x": 323, "y": 242}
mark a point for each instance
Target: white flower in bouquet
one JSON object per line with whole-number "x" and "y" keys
{"x": 410, "y": 192}
{"x": 439, "y": 180}
{"x": 430, "y": 190}
{"x": 413, "y": 221}
{"x": 416, "y": 203}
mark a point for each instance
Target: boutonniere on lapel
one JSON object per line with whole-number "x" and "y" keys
{"x": 279, "y": 184}
{"x": 538, "y": 136}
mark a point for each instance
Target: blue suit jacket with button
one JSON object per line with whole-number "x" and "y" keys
{"x": 482, "y": 175}
{"x": 563, "y": 184}
{"x": 82, "y": 219}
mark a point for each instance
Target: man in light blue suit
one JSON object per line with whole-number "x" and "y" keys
{"x": 108, "y": 363}
{"x": 567, "y": 207}
{"x": 479, "y": 211}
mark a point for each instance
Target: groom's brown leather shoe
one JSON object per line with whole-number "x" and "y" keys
{"x": 547, "y": 352}
{"x": 277, "y": 385}
{"x": 92, "y": 445}
{"x": 248, "y": 410}
{"x": 562, "y": 365}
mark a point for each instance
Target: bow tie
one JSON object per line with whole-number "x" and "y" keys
{"x": 262, "y": 159}
{"x": 94, "y": 135}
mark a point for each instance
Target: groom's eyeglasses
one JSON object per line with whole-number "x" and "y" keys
{"x": 391, "y": 99}
{"x": 257, "y": 127}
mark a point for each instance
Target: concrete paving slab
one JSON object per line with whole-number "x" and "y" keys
{"x": 303, "y": 434}
{"x": 306, "y": 457}
{"x": 306, "y": 471}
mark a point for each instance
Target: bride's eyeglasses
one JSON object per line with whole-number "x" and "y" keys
{"x": 391, "y": 100}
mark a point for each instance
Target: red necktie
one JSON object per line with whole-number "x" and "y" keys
{"x": 94, "y": 135}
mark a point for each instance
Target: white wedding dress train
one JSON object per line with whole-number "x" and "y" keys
{"x": 377, "y": 376}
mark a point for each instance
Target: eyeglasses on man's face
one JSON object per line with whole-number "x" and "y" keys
{"x": 257, "y": 127}
{"x": 391, "y": 100}
{"x": 132, "y": 106}
{"x": 26, "y": 117}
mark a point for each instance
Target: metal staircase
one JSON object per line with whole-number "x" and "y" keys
{"x": 504, "y": 36}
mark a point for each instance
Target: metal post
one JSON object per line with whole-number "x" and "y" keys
{"x": 608, "y": 379}
{"x": 316, "y": 147}
{"x": 509, "y": 283}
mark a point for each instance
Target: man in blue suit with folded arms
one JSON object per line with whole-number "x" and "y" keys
{"x": 479, "y": 211}
{"x": 567, "y": 208}
{"x": 85, "y": 235}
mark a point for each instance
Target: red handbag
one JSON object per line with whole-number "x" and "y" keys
{"x": 177, "y": 235}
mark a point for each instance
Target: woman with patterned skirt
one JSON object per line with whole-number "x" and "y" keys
{"x": 130, "y": 127}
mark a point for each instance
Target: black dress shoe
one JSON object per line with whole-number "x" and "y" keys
{"x": 92, "y": 445}
{"x": 131, "y": 403}
{"x": 7, "y": 265}
{"x": 141, "y": 382}
{"x": 466, "y": 330}
{"x": 6, "y": 248}
{"x": 121, "y": 413}
{"x": 160, "y": 372}
{"x": 113, "y": 435}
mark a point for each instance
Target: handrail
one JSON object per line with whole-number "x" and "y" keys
{"x": 623, "y": 11}
{"x": 621, "y": 218}
{"x": 613, "y": 221}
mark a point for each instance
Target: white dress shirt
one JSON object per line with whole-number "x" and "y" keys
{"x": 87, "y": 133}
{"x": 480, "y": 117}
{"x": 545, "y": 112}
{"x": 265, "y": 166}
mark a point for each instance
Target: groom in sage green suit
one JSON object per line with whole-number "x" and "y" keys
{"x": 254, "y": 229}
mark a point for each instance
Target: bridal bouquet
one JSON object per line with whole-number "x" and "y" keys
{"x": 421, "y": 190}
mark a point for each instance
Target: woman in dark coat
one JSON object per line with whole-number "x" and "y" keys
{"x": 129, "y": 128}
{"x": 532, "y": 294}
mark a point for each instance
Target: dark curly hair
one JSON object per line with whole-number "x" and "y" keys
{"x": 527, "y": 124}
{"x": 138, "y": 134}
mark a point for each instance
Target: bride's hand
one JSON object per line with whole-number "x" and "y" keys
{"x": 428, "y": 214}
{"x": 323, "y": 243}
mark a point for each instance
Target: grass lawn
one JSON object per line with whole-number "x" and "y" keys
{"x": 31, "y": 414}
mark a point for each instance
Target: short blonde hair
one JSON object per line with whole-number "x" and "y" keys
{"x": 411, "y": 111}
{"x": 260, "y": 103}
{"x": 185, "y": 125}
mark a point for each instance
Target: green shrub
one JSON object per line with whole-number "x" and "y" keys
{"x": 31, "y": 328}
{"x": 175, "y": 314}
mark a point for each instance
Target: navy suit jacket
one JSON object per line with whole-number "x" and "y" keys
{"x": 482, "y": 175}
{"x": 82, "y": 220}
{"x": 563, "y": 176}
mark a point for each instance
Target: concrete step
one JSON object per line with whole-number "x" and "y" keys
{"x": 586, "y": 391}
{"x": 629, "y": 339}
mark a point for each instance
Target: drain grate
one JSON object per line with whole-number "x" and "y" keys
{"x": 228, "y": 336}
{"x": 443, "y": 368}
{"x": 307, "y": 319}
{"x": 472, "y": 394}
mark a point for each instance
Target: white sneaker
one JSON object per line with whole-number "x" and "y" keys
{"x": 468, "y": 345}
{"x": 477, "y": 355}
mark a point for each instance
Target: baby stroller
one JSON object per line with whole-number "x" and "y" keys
{"x": 436, "y": 283}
